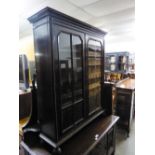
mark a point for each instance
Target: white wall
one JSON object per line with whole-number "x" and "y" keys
{"x": 125, "y": 41}
{"x": 26, "y": 46}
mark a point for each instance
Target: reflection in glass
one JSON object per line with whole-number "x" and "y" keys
{"x": 77, "y": 66}
{"x": 70, "y": 59}
{"x": 65, "y": 66}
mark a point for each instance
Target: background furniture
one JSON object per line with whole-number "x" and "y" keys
{"x": 117, "y": 62}
{"x": 125, "y": 100}
{"x": 25, "y": 103}
{"x": 118, "y": 66}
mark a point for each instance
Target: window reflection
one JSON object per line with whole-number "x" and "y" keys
{"x": 77, "y": 66}
{"x": 70, "y": 60}
{"x": 65, "y": 66}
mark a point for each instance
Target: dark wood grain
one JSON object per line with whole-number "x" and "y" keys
{"x": 60, "y": 113}
{"x": 125, "y": 103}
{"x": 126, "y": 84}
{"x": 84, "y": 141}
{"x": 98, "y": 138}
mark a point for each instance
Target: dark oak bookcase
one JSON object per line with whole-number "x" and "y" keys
{"x": 69, "y": 57}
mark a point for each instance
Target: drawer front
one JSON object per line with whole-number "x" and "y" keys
{"x": 100, "y": 148}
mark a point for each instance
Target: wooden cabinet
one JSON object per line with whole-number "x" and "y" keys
{"x": 98, "y": 138}
{"x": 106, "y": 146}
{"x": 125, "y": 101}
{"x": 111, "y": 141}
{"x": 100, "y": 148}
{"x": 70, "y": 74}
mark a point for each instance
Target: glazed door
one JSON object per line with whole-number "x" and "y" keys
{"x": 69, "y": 77}
{"x": 95, "y": 61}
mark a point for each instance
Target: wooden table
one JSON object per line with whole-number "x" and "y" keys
{"x": 25, "y": 103}
{"x": 125, "y": 100}
{"x": 126, "y": 84}
{"x": 22, "y": 123}
{"x": 95, "y": 139}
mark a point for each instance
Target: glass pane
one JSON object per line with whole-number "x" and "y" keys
{"x": 77, "y": 66}
{"x": 94, "y": 75}
{"x": 98, "y": 49}
{"x": 65, "y": 66}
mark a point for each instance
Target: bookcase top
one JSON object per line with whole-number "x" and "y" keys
{"x": 47, "y": 11}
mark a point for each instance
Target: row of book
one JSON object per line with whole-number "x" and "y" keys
{"x": 94, "y": 62}
{"x": 93, "y": 75}
{"x": 94, "y": 54}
